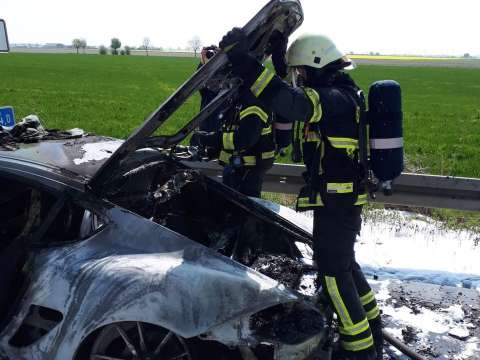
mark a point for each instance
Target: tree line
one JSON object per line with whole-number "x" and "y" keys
{"x": 115, "y": 44}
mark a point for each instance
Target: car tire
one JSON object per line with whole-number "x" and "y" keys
{"x": 138, "y": 341}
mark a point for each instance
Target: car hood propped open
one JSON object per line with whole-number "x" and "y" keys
{"x": 284, "y": 16}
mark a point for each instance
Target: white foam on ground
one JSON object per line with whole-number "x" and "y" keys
{"x": 444, "y": 331}
{"x": 407, "y": 246}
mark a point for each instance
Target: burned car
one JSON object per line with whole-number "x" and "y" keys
{"x": 119, "y": 250}
{"x": 154, "y": 268}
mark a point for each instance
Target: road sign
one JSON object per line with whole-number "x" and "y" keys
{"x": 7, "y": 117}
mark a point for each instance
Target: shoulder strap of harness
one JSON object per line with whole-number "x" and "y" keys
{"x": 317, "y": 106}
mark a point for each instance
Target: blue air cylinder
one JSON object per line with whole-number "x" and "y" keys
{"x": 385, "y": 118}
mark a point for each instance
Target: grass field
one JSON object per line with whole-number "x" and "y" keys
{"x": 102, "y": 94}
{"x": 399, "y": 57}
{"x": 112, "y": 95}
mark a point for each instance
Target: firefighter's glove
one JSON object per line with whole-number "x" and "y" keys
{"x": 278, "y": 48}
{"x": 234, "y": 43}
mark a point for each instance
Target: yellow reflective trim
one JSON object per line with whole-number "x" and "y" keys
{"x": 261, "y": 83}
{"x": 317, "y": 107}
{"x": 358, "y": 345}
{"x": 254, "y": 110}
{"x": 228, "y": 141}
{"x": 338, "y": 303}
{"x": 367, "y": 298}
{"x": 343, "y": 143}
{"x": 224, "y": 157}
{"x": 372, "y": 314}
{"x": 362, "y": 199}
{"x": 305, "y": 202}
{"x": 249, "y": 160}
{"x": 267, "y": 131}
{"x": 322, "y": 154}
{"x": 268, "y": 155}
{"x": 351, "y": 152}
{"x": 339, "y": 188}
{"x": 258, "y": 83}
{"x": 252, "y": 160}
{"x": 355, "y": 329}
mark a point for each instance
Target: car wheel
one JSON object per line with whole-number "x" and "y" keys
{"x": 138, "y": 341}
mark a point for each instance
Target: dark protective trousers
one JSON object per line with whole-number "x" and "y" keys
{"x": 350, "y": 295}
{"x": 247, "y": 179}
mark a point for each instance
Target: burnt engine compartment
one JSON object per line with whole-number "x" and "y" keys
{"x": 205, "y": 211}
{"x": 187, "y": 202}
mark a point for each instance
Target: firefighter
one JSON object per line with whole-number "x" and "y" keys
{"x": 247, "y": 149}
{"x": 245, "y": 141}
{"x": 329, "y": 103}
{"x": 208, "y": 93}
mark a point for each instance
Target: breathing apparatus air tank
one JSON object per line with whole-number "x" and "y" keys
{"x": 385, "y": 118}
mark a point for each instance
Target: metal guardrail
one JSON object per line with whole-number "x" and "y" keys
{"x": 429, "y": 191}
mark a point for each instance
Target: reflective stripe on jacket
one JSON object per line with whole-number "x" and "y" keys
{"x": 247, "y": 137}
{"x": 331, "y": 146}
{"x": 332, "y": 112}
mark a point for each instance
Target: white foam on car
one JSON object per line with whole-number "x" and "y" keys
{"x": 97, "y": 151}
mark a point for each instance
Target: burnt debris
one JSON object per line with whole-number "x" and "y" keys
{"x": 30, "y": 130}
{"x": 184, "y": 201}
{"x": 174, "y": 186}
{"x": 288, "y": 323}
{"x": 285, "y": 270}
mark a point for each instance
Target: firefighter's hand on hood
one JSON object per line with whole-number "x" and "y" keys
{"x": 234, "y": 43}
{"x": 277, "y": 47}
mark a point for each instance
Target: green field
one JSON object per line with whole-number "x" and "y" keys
{"x": 112, "y": 95}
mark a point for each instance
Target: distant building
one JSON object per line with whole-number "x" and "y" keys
{"x": 54, "y": 46}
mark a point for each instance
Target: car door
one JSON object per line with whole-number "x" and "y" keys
{"x": 33, "y": 217}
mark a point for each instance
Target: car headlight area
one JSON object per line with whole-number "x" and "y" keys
{"x": 285, "y": 331}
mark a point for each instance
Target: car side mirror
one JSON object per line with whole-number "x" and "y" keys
{"x": 4, "y": 46}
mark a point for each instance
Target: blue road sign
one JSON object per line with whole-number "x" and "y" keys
{"x": 7, "y": 117}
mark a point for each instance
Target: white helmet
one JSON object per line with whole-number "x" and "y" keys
{"x": 316, "y": 51}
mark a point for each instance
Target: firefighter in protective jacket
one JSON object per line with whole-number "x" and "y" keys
{"x": 329, "y": 104}
{"x": 244, "y": 143}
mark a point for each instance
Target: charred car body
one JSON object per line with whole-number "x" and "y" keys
{"x": 118, "y": 250}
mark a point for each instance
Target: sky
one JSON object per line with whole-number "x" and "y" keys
{"x": 417, "y": 27}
